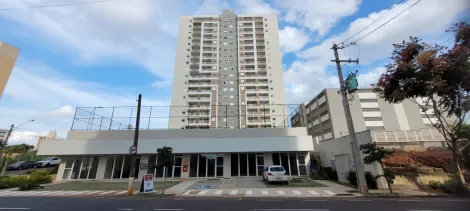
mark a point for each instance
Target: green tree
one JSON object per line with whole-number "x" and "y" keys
{"x": 165, "y": 154}
{"x": 437, "y": 75}
{"x": 374, "y": 153}
{"x": 465, "y": 145}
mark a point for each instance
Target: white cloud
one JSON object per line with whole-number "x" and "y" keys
{"x": 366, "y": 79}
{"x": 318, "y": 15}
{"x": 292, "y": 39}
{"x": 162, "y": 84}
{"x": 64, "y": 111}
{"x": 25, "y": 137}
{"x": 256, "y": 7}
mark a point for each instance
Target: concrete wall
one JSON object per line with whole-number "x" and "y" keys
{"x": 179, "y": 145}
{"x": 342, "y": 146}
{"x": 420, "y": 180}
{"x": 101, "y": 167}
{"x": 227, "y": 165}
{"x": 60, "y": 171}
{"x": 190, "y": 133}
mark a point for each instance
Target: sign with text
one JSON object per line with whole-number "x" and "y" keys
{"x": 147, "y": 184}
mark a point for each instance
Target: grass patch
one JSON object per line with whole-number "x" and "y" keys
{"x": 92, "y": 185}
{"x": 296, "y": 182}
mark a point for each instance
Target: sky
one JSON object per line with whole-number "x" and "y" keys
{"x": 108, "y": 52}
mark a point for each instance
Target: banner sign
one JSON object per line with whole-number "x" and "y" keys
{"x": 147, "y": 184}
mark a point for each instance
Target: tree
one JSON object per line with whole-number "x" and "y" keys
{"x": 19, "y": 148}
{"x": 374, "y": 153}
{"x": 434, "y": 77}
{"x": 465, "y": 145}
{"x": 165, "y": 154}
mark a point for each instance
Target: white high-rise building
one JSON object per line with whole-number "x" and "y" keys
{"x": 228, "y": 73}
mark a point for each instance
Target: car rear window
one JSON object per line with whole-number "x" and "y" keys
{"x": 276, "y": 169}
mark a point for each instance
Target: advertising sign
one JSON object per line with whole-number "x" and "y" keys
{"x": 147, "y": 184}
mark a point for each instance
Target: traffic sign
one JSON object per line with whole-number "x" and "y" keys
{"x": 133, "y": 150}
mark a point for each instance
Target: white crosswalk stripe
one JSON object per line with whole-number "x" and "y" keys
{"x": 313, "y": 192}
{"x": 79, "y": 192}
{"x": 92, "y": 192}
{"x": 203, "y": 192}
{"x": 104, "y": 193}
{"x": 280, "y": 192}
{"x": 187, "y": 192}
{"x": 122, "y": 192}
{"x": 264, "y": 192}
{"x": 296, "y": 192}
{"x": 329, "y": 192}
{"x": 233, "y": 192}
{"x": 42, "y": 193}
{"x": 218, "y": 192}
{"x": 249, "y": 192}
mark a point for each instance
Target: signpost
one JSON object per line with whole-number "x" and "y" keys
{"x": 147, "y": 184}
{"x": 132, "y": 150}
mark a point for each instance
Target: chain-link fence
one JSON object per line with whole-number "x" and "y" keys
{"x": 159, "y": 117}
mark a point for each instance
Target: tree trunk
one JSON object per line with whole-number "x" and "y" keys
{"x": 456, "y": 163}
{"x": 388, "y": 183}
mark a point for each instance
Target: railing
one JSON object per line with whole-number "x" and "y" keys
{"x": 200, "y": 98}
{"x": 432, "y": 135}
{"x": 200, "y": 91}
{"x": 199, "y": 84}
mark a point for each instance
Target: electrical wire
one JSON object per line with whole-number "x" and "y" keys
{"x": 355, "y": 41}
{"x": 380, "y": 17}
{"x": 55, "y": 5}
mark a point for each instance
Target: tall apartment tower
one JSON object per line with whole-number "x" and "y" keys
{"x": 228, "y": 73}
{"x": 8, "y": 55}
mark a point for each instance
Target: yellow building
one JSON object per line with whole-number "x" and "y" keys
{"x": 8, "y": 56}
{"x": 50, "y": 136}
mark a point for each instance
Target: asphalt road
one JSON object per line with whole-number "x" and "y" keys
{"x": 222, "y": 204}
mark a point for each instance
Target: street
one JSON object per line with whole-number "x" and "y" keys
{"x": 215, "y": 204}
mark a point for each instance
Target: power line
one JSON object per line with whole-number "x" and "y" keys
{"x": 391, "y": 9}
{"x": 55, "y": 5}
{"x": 360, "y": 38}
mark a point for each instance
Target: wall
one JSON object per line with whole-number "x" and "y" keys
{"x": 179, "y": 145}
{"x": 189, "y": 133}
{"x": 101, "y": 167}
{"x": 420, "y": 180}
{"x": 328, "y": 149}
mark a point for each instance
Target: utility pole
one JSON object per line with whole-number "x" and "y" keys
{"x": 361, "y": 179}
{"x": 3, "y": 146}
{"x": 130, "y": 186}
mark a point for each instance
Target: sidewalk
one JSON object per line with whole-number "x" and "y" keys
{"x": 268, "y": 192}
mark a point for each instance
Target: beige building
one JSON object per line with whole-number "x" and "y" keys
{"x": 50, "y": 136}
{"x": 228, "y": 73}
{"x": 8, "y": 56}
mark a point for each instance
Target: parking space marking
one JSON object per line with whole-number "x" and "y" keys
{"x": 296, "y": 192}
{"x": 329, "y": 192}
{"x": 219, "y": 192}
{"x": 187, "y": 192}
{"x": 92, "y": 192}
{"x": 313, "y": 192}
{"x": 264, "y": 192}
{"x": 121, "y": 192}
{"x": 203, "y": 192}
{"x": 249, "y": 192}
{"x": 280, "y": 192}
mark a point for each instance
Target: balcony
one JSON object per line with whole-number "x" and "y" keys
{"x": 199, "y": 99}
{"x": 199, "y": 92}
{"x": 257, "y": 90}
{"x": 198, "y": 123}
{"x": 258, "y": 98}
{"x": 257, "y": 105}
{"x": 257, "y": 122}
{"x": 198, "y": 115}
{"x": 202, "y": 77}
{"x": 253, "y": 76}
{"x": 259, "y": 83}
{"x": 198, "y": 84}
{"x": 258, "y": 113}
{"x": 200, "y": 107}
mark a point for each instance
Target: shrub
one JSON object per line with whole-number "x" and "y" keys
{"x": 435, "y": 184}
{"x": 41, "y": 177}
{"x": 330, "y": 173}
{"x": 371, "y": 181}
{"x": 29, "y": 185}
{"x": 351, "y": 177}
{"x": 12, "y": 181}
{"x": 453, "y": 186}
{"x": 30, "y": 171}
{"x": 54, "y": 170}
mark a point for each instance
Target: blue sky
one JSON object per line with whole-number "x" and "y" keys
{"x": 105, "y": 54}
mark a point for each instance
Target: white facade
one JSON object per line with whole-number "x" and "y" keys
{"x": 228, "y": 72}
{"x": 198, "y": 153}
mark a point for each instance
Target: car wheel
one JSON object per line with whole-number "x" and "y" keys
{"x": 20, "y": 168}
{"x": 48, "y": 165}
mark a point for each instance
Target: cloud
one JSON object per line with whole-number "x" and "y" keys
{"x": 25, "y": 137}
{"x": 256, "y": 7}
{"x": 292, "y": 39}
{"x": 64, "y": 111}
{"x": 366, "y": 79}
{"x": 318, "y": 15}
{"x": 162, "y": 84}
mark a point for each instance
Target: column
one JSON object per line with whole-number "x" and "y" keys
{"x": 227, "y": 165}
{"x": 186, "y": 159}
{"x": 101, "y": 167}
{"x": 60, "y": 171}
{"x": 268, "y": 159}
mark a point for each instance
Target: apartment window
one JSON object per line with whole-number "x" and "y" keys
{"x": 370, "y": 109}
{"x": 182, "y": 120}
{"x": 225, "y": 89}
{"x": 273, "y": 111}
{"x": 231, "y": 104}
{"x": 372, "y": 118}
{"x": 271, "y": 88}
{"x": 213, "y": 119}
{"x": 231, "y": 82}
{"x": 231, "y": 89}
{"x": 367, "y": 100}
{"x": 375, "y": 128}
{"x": 184, "y": 112}
{"x": 231, "y": 119}
{"x": 272, "y": 95}
{"x": 231, "y": 96}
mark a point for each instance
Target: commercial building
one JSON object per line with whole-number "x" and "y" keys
{"x": 8, "y": 56}
{"x": 228, "y": 72}
{"x": 402, "y": 126}
{"x": 227, "y": 79}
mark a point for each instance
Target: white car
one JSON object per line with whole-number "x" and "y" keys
{"x": 275, "y": 174}
{"x": 48, "y": 162}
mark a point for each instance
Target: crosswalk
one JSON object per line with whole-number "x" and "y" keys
{"x": 264, "y": 193}
{"x": 63, "y": 193}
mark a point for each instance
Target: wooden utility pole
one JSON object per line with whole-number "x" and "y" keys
{"x": 130, "y": 186}
{"x": 361, "y": 178}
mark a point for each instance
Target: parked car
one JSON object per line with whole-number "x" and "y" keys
{"x": 48, "y": 162}
{"x": 275, "y": 174}
{"x": 21, "y": 165}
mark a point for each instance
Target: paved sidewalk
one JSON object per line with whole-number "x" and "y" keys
{"x": 9, "y": 193}
{"x": 268, "y": 192}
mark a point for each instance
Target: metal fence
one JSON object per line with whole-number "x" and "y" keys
{"x": 158, "y": 117}
{"x": 428, "y": 134}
